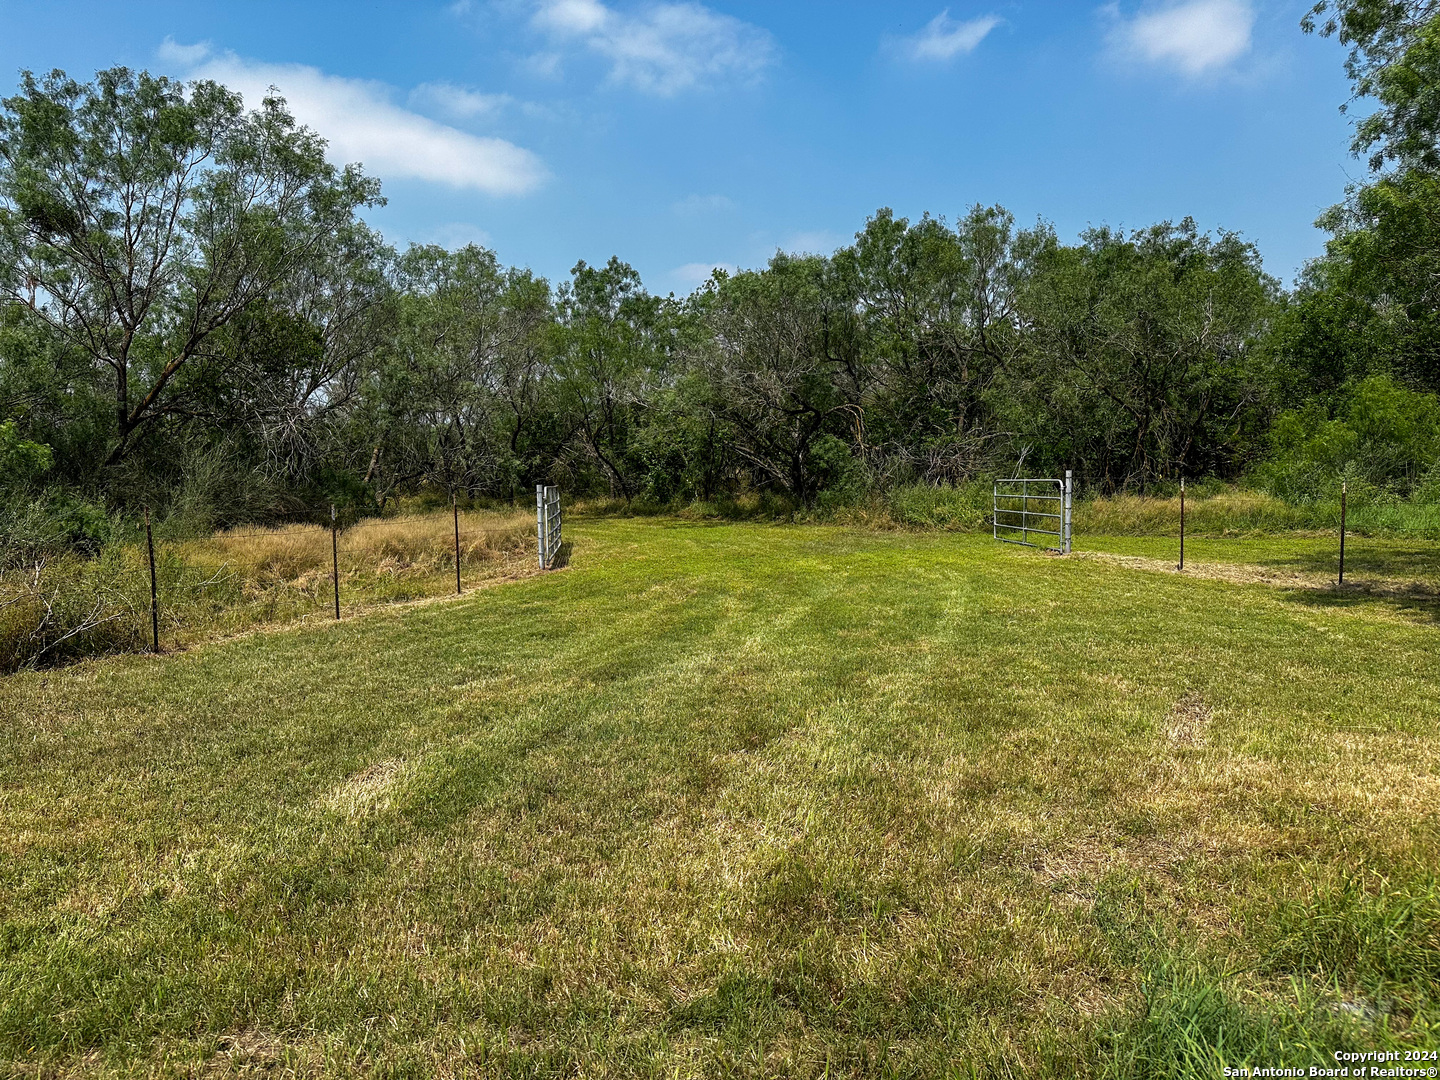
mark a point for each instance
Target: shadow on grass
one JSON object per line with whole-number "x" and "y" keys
{"x": 1422, "y": 603}
{"x": 1399, "y": 565}
{"x": 1405, "y": 578}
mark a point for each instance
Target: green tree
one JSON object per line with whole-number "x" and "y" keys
{"x": 1394, "y": 59}
{"x": 1143, "y": 358}
{"x": 1378, "y": 433}
{"x": 786, "y": 365}
{"x": 139, "y": 217}
{"x": 1370, "y": 305}
{"x": 21, "y": 460}
{"x": 1382, "y": 266}
{"x": 457, "y": 396}
{"x": 938, "y": 324}
{"x": 615, "y": 346}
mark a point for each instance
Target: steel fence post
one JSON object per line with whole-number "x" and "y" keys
{"x": 455, "y": 509}
{"x": 335, "y": 559}
{"x": 154, "y": 592}
{"x": 1182, "y": 525}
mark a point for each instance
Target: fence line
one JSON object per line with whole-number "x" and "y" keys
{"x": 67, "y": 608}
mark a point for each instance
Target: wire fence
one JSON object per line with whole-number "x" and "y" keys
{"x": 157, "y": 592}
{"x": 1402, "y": 566}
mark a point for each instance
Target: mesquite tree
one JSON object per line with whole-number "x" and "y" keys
{"x": 140, "y": 216}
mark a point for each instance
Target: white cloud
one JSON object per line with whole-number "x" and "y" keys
{"x": 459, "y": 102}
{"x": 944, "y": 38}
{"x": 818, "y": 242}
{"x": 456, "y": 234}
{"x": 573, "y": 16}
{"x": 172, "y": 52}
{"x": 362, "y": 124}
{"x": 665, "y": 49}
{"x": 1196, "y": 36}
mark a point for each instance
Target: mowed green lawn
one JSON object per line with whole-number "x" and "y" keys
{"x": 737, "y": 800}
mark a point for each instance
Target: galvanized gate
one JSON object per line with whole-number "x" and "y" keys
{"x": 1032, "y": 511}
{"x": 547, "y": 523}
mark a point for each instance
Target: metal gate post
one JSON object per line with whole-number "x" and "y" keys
{"x": 1065, "y": 527}
{"x": 1025, "y": 511}
{"x": 548, "y": 520}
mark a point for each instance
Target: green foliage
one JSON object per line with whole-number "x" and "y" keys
{"x": 33, "y": 527}
{"x": 139, "y": 218}
{"x": 1146, "y": 363}
{"x": 1188, "y": 1023}
{"x": 839, "y": 476}
{"x": 1384, "y": 438}
{"x": 614, "y": 343}
{"x": 938, "y": 319}
{"x": 1372, "y": 305}
{"x": 21, "y": 460}
{"x": 261, "y": 360}
{"x": 1374, "y": 934}
{"x": 964, "y": 507}
{"x": 1395, "y": 59}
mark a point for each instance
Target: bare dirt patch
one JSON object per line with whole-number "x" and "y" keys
{"x": 1250, "y": 574}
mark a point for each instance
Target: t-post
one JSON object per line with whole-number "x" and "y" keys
{"x": 154, "y": 592}
{"x": 1343, "y": 486}
{"x": 455, "y": 509}
{"x": 335, "y": 560}
{"x": 1181, "y": 566}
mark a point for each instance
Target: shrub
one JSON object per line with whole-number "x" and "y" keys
{"x": 1383, "y": 439}
{"x": 20, "y": 459}
{"x": 32, "y": 528}
{"x": 964, "y": 507}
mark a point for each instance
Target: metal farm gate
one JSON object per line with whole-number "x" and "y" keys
{"x": 547, "y": 523}
{"x": 1029, "y": 511}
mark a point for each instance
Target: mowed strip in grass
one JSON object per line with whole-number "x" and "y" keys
{"x": 737, "y": 800}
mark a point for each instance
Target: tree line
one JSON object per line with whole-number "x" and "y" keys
{"x": 195, "y": 317}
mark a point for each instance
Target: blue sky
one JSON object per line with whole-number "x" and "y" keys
{"x": 680, "y": 136}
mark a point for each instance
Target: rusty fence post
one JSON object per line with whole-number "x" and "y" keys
{"x": 154, "y": 592}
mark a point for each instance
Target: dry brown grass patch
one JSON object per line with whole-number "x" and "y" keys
{"x": 1245, "y": 574}
{"x": 1190, "y": 721}
{"x": 300, "y": 554}
{"x": 369, "y": 790}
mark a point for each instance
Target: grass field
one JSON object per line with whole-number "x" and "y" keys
{"x": 743, "y": 800}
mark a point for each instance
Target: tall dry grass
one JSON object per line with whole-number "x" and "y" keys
{"x": 1241, "y": 512}
{"x": 412, "y": 546}
{"x": 68, "y": 608}
{"x": 1225, "y": 513}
